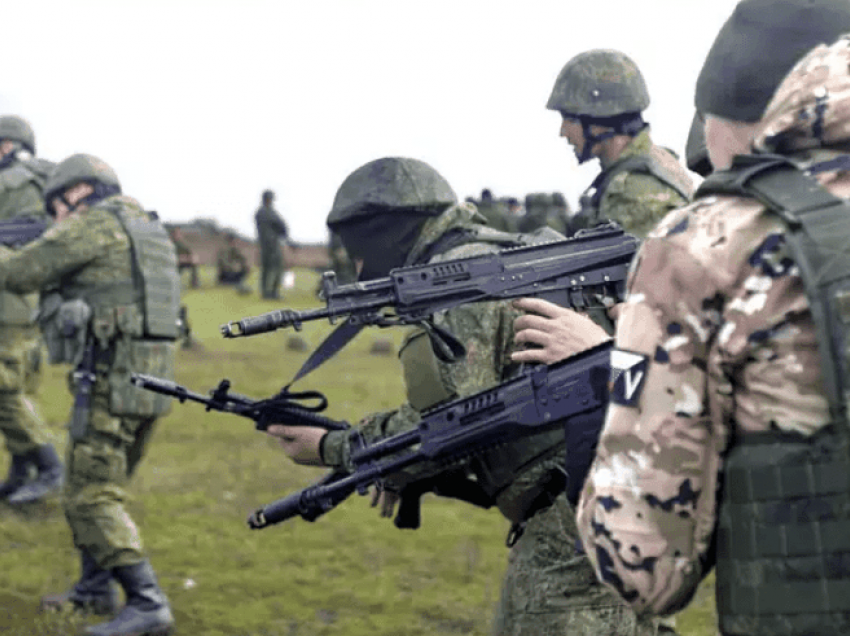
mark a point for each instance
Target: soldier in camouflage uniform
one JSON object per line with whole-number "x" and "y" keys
{"x": 393, "y": 212}
{"x": 35, "y": 469}
{"x": 726, "y": 441}
{"x": 271, "y": 228}
{"x": 232, "y": 265}
{"x": 600, "y": 95}
{"x": 113, "y": 312}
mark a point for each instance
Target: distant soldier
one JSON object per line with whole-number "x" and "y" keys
{"x": 232, "y": 265}
{"x": 35, "y": 469}
{"x": 117, "y": 294}
{"x": 536, "y": 212}
{"x": 600, "y": 95}
{"x": 271, "y": 228}
{"x": 493, "y": 211}
{"x": 186, "y": 258}
{"x": 558, "y": 217}
{"x": 341, "y": 262}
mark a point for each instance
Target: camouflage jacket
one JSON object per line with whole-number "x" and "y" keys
{"x": 635, "y": 200}
{"x": 506, "y": 474}
{"x": 21, "y": 195}
{"x": 716, "y": 337}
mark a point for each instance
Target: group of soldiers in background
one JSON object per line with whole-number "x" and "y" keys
{"x": 540, "y": 209}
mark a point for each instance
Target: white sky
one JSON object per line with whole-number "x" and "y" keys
{"x": 199, "y": 105}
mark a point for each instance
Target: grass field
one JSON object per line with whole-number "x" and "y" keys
{"x": 348, "y": 573}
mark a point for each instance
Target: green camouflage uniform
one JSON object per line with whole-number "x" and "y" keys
{"x": 636, "y": 199}
{"x": 270, "y": 229}
{"x": 21, "y": 195}
{"x": 549, "y": 589}
{"x": 232, "y": 265}
{"x": 81, "y": 256}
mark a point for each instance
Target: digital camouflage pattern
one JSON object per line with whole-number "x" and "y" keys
{"x": 85, "y": 251}
{"x": 549, "y": 588}
{"x": 20, "y": 342}
{"x": 599, "y": 83}
{"x": 636, "y": 200}
{"x": 717, "y": 307}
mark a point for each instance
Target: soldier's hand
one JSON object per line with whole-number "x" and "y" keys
{"x": 556, "y": 331}
{"x": 301, "y": 443}
{"x": 386, "y": 500}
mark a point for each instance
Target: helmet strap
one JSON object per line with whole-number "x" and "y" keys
{"x": 629, "y": 124}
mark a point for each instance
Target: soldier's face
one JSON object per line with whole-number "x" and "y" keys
{"x": 572, "y": 131}
{"x": 725, "y": 139}
{"x": 69, "y": 202}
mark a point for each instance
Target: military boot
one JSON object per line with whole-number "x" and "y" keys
{"x": 146, "y": 613}
{"x": 94, "y": 593}
{"x": 49, "y": 477}
{"x": 19, "y": 472}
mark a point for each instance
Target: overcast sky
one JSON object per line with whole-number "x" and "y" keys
{"x": 199, "y": 105}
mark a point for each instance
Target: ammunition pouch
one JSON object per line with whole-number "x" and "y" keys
{"x": 150, "y": 357}
{"x": 64, "y": 325}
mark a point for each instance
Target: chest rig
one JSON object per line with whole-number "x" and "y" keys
{"x": 783, "y": 531}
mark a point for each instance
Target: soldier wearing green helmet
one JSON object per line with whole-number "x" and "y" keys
{"x": 398, "y": 211}
{"x": 600, "y": 95}
{"x": 111, "y": 310}
{"x": 35, "y": 469}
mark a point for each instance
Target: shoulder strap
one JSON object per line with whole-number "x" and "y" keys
{"x": 819, "y": 241}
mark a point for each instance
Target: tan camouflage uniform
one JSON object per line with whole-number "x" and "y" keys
{"x": 20, "y": 341}
{"x": 549, "y": 589}
{"x": 92, "y": 249}
{"x": 718, "y": 308}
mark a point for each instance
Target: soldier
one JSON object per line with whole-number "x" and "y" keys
{"x": 186, "y": 258}
{"x": 726, "y": 441}
{"x": 493, "y": 211}
{"x": 232, "y": 265}
{"x": 113, "y": 313}
{"x": 600, "y": 95}
{"x": 558, "y": 217}
{"x": 35, "y": 469}
{"x": 396, "y": 211}
{"x": 696, "y": 154}
{"x": 271, "y": 228}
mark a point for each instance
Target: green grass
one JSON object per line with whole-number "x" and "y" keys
{"x": 348, "y": 573}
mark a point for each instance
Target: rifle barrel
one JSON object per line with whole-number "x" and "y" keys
{"x": 271, "y": 321}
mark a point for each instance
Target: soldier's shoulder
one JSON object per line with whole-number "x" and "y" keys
{"x": 17, "y": 176}
{"x": 641, "y": 187}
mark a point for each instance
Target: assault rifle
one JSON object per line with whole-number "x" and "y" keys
{"x": 579, "y": 272}
{"x": 282, "y": 407}
{"x": 22, "y": 230}
{"x": 572, "y": 393}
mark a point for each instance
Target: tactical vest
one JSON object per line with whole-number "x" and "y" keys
{"x": 494, "y": 470}
{"x": 18, "y": 201}
{"x": 658, "y": 163}
{"x": 783, "y": 530}
{"x": 135, "y": 321}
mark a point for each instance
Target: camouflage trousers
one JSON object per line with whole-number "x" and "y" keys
{"x": 20, "y": 371}
{"x": 99, "y": 465}
{"x": 271, "y": 275}
{"x": 551, "y": 590}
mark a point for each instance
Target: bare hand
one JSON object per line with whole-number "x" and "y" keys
{"x": 301, "y": 443}
{"x": 385, "y": 500}
{"x": 557, "y": 331}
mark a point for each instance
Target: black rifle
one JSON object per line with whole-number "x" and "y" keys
{"x": 282, "y": 407}
{"x": 22, "y": 230}
{"x": 572, "y": 393}
{"x": 84, "y": 378}
{"x": 579, "y": 272}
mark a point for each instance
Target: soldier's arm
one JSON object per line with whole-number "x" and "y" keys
{"x": 646, "y": 512}
{"x": 638, "y": 202}
{"x": 62, "y": 249}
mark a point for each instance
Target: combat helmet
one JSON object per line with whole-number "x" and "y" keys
{"x": 391, "y": 184}
{"x": 82, "y": 168}
{"x": 17, "y": 129}
{"x": 602, "y": 87}
{"x": 696, "y": 153}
